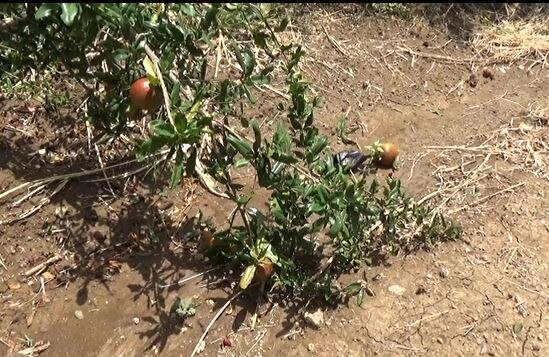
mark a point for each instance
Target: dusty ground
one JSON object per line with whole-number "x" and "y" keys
{"x": 487, "y": 295}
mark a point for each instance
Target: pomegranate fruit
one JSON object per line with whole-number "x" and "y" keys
{"x": 264, "y": 269}
{"x": 388, "y": 155}
{"x": 144, "y": 95}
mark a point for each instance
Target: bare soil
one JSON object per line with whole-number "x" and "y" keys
{"x": 485, "y": 295}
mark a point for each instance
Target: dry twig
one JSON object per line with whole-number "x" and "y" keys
{"x": 38, "y": 268}
{"x": 200, "y": 342}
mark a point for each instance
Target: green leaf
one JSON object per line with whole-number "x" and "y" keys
{"x": 244, "y": 122}
{"x": 257, "y": 135}
{"x": 322, "y": 194}
{"x": 240, "y": 163}
{"x": 120, "y": 54}
{"x": 517, "y": 328}
{"x": 183, "y": 308}
{"x": 242, "y": 147}
{"x": 257, "y": 215}
{"x": 203, "y": 69}
{"x": 287, "y": 159}
{"x": 187, "y": 9}
{"x": 151, "y": 73}
{"x": 265, "y": 8}
{"x": 249, "y": 62}
{"x": 180, "y": 123}
{"x": 194, "y": 109}
{"x": 260, "y": 38}
{"x": 69, "y": 12}
{"x": 281, "y": 138}
{"x": 177, "y": 173}
{"x": 44, "y": 11}
{"x": 283, "y": 24}
{"x": 319, "y": 145}
{"x": 353, "y": 288}
{"x": 248, "y": 93}
{"x": 243, "y": 200}
{"x": 276, "y": 210}
{"x": 317, "y": 207}
{"x": 162, "y": 129}
{"x": 259, "y": 80}
{"x": 360, "y": 297}
{"x": 174, "y": 95}
{"x": 336, "y": 226}
{"x": 238, "y": 55}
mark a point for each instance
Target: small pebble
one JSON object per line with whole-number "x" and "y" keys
{"x": 310, "y": 347}
{"x": 397, "y": 289}
{"x": 535, "y": 347}
{"x": 444, "y": 273}
{"x": 136, "y": 320}
{"x": 488, "y": 73}
{"x": 473, "y": 80}
{"x": 440, "y": 340}
{"x": 315, "y": 319}
{"x": 78, "y": 314}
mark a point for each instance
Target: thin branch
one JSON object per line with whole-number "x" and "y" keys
{"x": 216, "y": 316}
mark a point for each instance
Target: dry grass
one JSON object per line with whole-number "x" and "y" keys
{"x": 511, "y": 41}
{"x": 523, "y": 147}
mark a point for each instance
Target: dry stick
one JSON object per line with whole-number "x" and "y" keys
{"x": 190, "y": 277}
{"x": 437, "y": 57}
{"x": 31, "y": 351}
{"x": 414, "y": 163}
{"x": 125, "y": 174}
{"x": 407, "y": 348}
{"x": 464, "y": 148}
{"x": 469, "y": 330}
{"x": 102, "y": 166}
{"x": 28, "y": 195}
{"x": 9, "y": 344}
{"x": 42, "y": 265}
{"x": 488, "y": 197}
{"x": 457, "y": 188}
{"x": 334, "y": 43}
{"x": 43, "y": 202}
{"x": 433, "y": 194}
{"x": 431, "y": 317}
{"x": 529, "y": 290}
{"x": 259, "y": 338}
{"x": 274, "y": 90}
{"x": 218, "y": 55}
{"x": 69, "y": 176}
{"x": 2, "y": 262}
{"x": 510, "y": 258}
{"x": 201, "y": 340}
